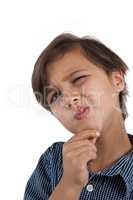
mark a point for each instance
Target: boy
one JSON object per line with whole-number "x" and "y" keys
{"x": 81, "y": 82}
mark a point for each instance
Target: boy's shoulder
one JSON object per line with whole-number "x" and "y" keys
{"x": 56, "y": 146}
{"x": 130, "y": 138}
{"x": 53, "y": 151}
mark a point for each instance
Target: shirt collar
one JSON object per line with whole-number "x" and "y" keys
{"x": 123, "y": 167}
{"x": 127, "y": 169}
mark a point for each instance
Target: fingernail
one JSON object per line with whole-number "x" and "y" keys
{"x": 97, "y": 133}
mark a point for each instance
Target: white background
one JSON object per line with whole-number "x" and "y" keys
{"x": 26, "y": 27}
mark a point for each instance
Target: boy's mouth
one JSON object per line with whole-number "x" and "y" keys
{"x": 82, "y": 113}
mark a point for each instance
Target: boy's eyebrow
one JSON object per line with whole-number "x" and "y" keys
{"x": 51, "y": 88}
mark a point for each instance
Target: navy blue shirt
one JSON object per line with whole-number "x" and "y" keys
{"x": 113, "y": 183}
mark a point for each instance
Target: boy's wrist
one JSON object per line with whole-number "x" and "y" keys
{"x": 64, "y": 183}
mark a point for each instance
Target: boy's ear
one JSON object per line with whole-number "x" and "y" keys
{"x": 118, "y": 80}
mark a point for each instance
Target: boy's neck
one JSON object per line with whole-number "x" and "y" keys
{"x": 111, "y": 145}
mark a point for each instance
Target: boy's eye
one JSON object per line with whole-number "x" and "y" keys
{"x": 54, "y": 97}
{"x": 80, "y": 77}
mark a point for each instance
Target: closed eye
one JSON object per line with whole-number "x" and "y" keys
{"x": 80, "y": 77}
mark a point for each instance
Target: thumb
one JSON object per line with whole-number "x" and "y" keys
{"x": 94, "y": 140}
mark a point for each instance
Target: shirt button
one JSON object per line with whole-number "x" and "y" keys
{"x": 89, "y": 188}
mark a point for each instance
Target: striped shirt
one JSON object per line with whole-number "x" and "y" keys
{"x": 113, "y": 183}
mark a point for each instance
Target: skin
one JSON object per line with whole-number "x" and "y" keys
{"x": 100, "y": 92}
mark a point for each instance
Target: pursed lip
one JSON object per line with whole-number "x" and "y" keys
{"x": 81, "y": 113}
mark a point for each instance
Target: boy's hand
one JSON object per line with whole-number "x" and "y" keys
{"x": 77, "y": 152}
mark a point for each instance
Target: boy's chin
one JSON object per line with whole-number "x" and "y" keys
{"x": 81, "y": 128}
{"x": 95, "y": 125}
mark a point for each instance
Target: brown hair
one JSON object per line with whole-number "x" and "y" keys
{"x": 93, "y": 49}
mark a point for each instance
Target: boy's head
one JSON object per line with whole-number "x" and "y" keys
{"x": 97, "y": 81}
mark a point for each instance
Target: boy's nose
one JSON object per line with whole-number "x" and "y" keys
{"x": 72, "y": 103}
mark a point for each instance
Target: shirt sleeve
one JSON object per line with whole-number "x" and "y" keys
{"x": 39, "y": 185}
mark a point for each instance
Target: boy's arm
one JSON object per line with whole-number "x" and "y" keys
{"x": 65, "y": 191}
{"x": 39, "y": 185}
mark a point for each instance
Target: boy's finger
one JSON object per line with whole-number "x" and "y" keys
{"x": 87, "y": 134}
{"x": 93, "y": 140}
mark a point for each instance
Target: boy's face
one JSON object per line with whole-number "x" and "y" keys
{"x": 94, "y": 89}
